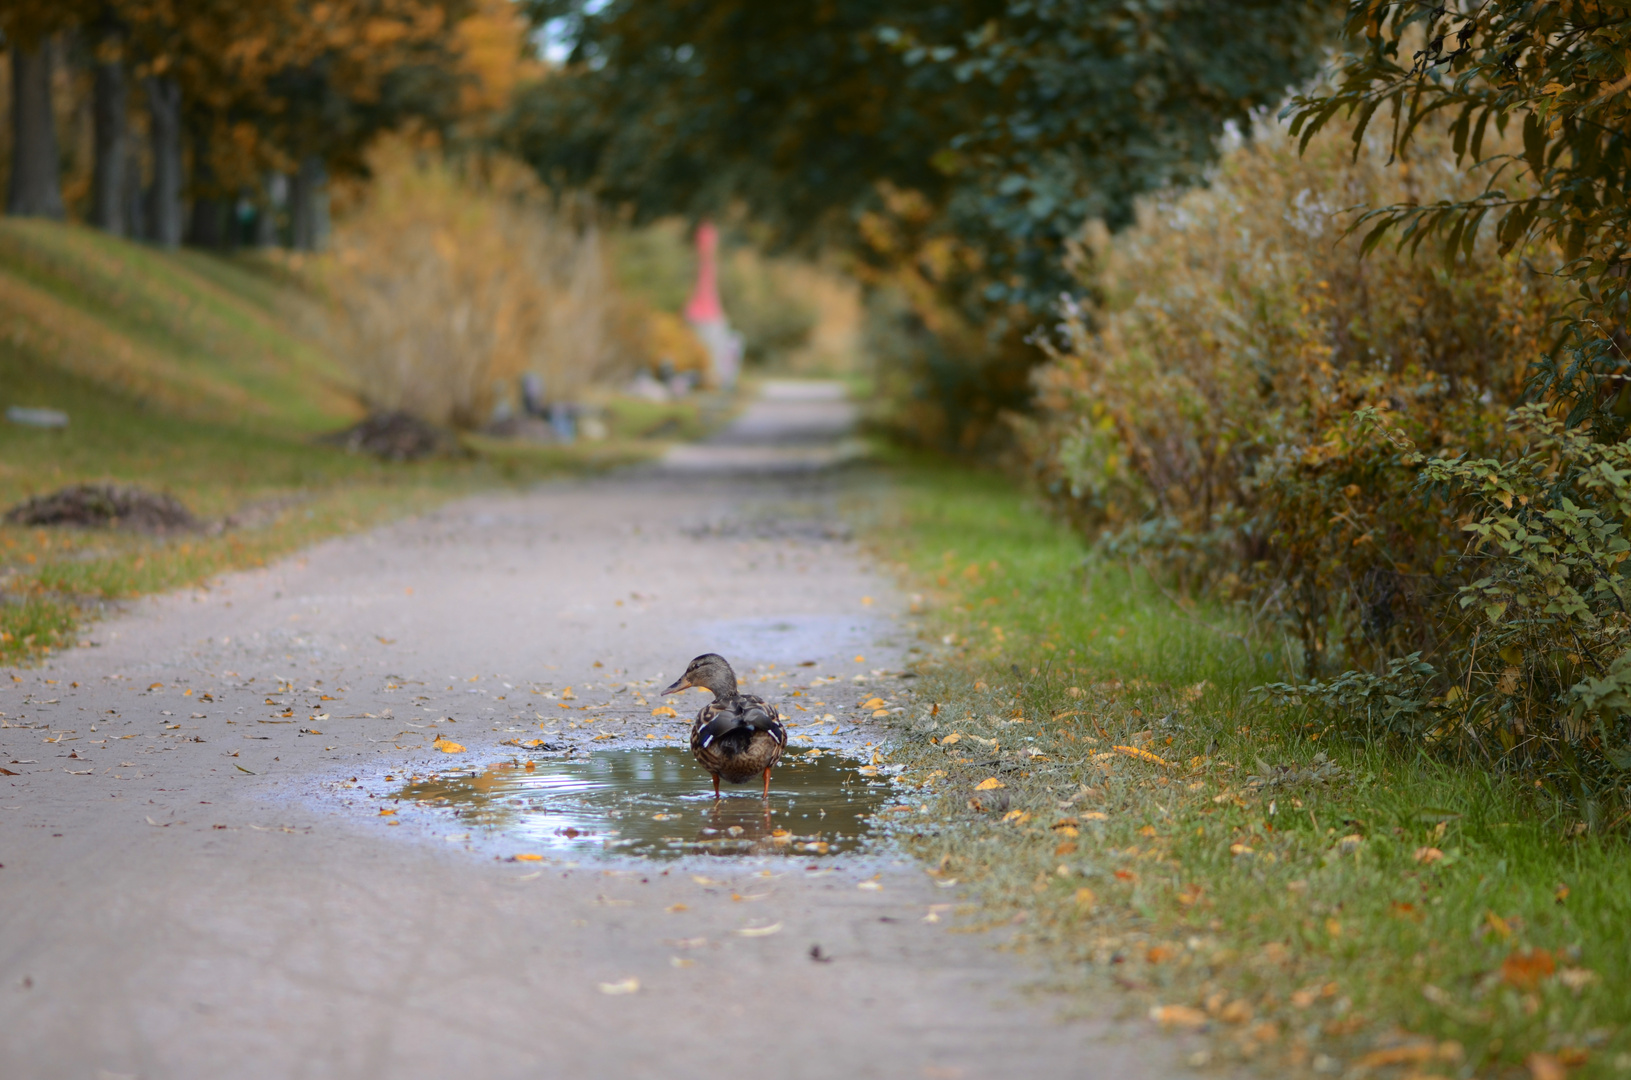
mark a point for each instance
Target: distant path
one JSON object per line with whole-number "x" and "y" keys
{"x": 207, "y": 899}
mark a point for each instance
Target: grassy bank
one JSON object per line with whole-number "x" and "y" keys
{"x": 202, "y": 377}
{"x": 1105, "y": 778}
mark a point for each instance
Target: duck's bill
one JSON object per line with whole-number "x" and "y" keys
{"x": 682, "y": 683}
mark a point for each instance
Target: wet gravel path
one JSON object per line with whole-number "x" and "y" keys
{"x": 197, "y": 878}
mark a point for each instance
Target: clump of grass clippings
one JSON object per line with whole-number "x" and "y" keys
{"x": 1227, "y": 864}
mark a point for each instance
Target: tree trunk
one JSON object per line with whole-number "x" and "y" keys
{"x": 133, "y": 197}
{"x": 112, "y": 96}
{"x": 272, "y": 199}
{"x": 207, "y": 229}
{"x": 308, "y": 209}
{"x": 164, "y": 197}
{"x": 36, "y": 184}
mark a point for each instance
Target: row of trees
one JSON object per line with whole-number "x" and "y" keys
{"x": 199, "y": 105}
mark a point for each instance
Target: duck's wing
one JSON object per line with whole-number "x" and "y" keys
{"x": 761, "y": 715}
{"x": 715, "y": 719}
{"x": 706, "y": 717}
{"x": 743, "y": 711}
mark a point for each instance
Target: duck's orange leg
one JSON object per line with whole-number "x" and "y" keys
{"x": 767, "y": 783}
{"x": 716, "y": 785}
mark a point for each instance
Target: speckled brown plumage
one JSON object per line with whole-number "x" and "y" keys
{"x": 736, "y": 736}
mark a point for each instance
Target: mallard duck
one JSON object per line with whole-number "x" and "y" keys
{"x": 736, "y": 736}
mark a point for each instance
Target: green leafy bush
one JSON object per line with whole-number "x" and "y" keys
{"x": 1539, "y": 672}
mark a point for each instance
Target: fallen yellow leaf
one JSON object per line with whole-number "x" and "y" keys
{"x": 675, "y": 909}
{"x": 529, "y": 857}
{"x": 1184, "y": 1016}
{"x": 663, "y": 710}
{"x": 1085, "y": 897}
{"x": 627, "y": 986}
{"x": 1545, "y": 1067}
{"x": 760, "y": 931}
{"x": 386, "y": 812}
{"x": 1427, "y": 856}
{"x": 1408, "y": 1054}
{"x": 1143, "y": 755}
{"x": 872, "y": 703}
{"x": 990, "y": 783}
{"x": 949, "y": 739}
{"x": 1526, "y": 968}
{"x": 447, "y": 746}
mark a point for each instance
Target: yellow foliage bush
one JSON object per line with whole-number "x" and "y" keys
{"x": 447, "y": 283}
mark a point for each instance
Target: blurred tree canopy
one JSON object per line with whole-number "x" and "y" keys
{"x": 278, "y": 86}
{"x": 1012, "y": 121}
{"x": 1561, "y": 73}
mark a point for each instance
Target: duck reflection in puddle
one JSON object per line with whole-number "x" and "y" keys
{"x": 739, "y": 819}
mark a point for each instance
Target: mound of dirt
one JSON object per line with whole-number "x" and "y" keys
{"x": 106, "y": 506}
{"x": 394, "y": 436}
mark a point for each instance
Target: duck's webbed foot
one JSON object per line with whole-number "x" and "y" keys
{"x": 767, "y": 783}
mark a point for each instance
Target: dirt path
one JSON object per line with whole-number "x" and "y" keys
{"x": 193, "y": 887}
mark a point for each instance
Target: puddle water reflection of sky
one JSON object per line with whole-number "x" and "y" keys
{"x": 659, "y": 803}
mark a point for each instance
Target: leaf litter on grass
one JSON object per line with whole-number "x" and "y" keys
{"x": 1319, "y": 904}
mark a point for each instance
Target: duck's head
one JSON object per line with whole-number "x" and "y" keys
{"x": 710, "y": 671}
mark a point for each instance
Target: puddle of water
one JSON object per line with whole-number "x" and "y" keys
{"x": 658, "y": 803}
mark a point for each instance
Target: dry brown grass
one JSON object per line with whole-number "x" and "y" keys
{"x": 447, "y": 283}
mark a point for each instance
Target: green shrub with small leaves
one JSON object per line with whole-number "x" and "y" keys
{"x": 1540, "y": 673}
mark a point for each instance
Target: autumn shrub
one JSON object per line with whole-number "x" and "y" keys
{"x": 447, "y": 282}
{"x": 1206, "y": 414}
{"x": 1339, "y": 442}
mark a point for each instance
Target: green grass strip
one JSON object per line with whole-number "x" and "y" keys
{"x": 1101, "y": 776}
